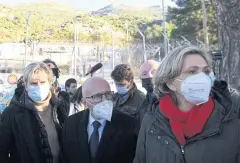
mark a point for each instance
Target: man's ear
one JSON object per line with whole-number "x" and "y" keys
{"x": 84, "y": 102}
{"x": 171, "y": 86}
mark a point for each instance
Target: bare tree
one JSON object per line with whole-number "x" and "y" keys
{"x": 228, "y": 21}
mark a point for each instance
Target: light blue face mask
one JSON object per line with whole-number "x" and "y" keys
{"x": 38, "y": 93}
{"x": 122, "y": 90}
{"x": 213, "y": 77}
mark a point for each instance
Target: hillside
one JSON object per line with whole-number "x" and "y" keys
{"x": 52, "y": 22}
{"x": 153, "y": 12}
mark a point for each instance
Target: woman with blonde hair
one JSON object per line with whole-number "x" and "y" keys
{"x": 192, "y": 119}
{"x": 31, "y": 125}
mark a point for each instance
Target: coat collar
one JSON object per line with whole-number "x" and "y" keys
{"x": 222, "y": 111}
{"x": 122, "y": 100}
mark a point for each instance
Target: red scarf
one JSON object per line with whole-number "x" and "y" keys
{"x": 185, "y": 124}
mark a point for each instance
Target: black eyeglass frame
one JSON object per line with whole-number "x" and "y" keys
{"x": 98, "y": 97}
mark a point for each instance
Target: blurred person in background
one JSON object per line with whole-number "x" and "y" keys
{"x": 193, "y": 119}
{"x": 99, "y": 134}
{"x": 76, "y": 102}
{"x": 56, "y": 74}
{"x": 147, "y": 71}
{"x": 71, "y": 86}
{"x": 31, "y": 125}
{"x": 128, "y": 98}
{"x": 66, "y": 96}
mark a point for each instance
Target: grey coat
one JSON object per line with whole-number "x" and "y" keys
{"x": 219, "y": 142}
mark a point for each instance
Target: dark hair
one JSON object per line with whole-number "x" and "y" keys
{"x": 77, "y": 97}
{"x": 69, "y": 82}
{"x": 50, "y": 61}
{"x": 122, "y": 72}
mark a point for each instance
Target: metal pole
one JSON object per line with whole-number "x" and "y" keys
{"x": 75, "y": 49}
{"x": 178, "y": 43}
{"x": 164, "y": 28}
{"x": 26, "y": 38}
{"x": 144, "y": 45}
{"x": 168, "y": 44}
{"x": 129, "y": 58}
{"x": 75, "y": 54}
{"x": 144, "y": 48}
{"x": 113, "y": 54}
{"x": 189, "y": 43}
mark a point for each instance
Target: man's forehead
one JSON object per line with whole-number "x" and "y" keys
{"x": 94, "y": 86}
{"x": 91, "y": 92}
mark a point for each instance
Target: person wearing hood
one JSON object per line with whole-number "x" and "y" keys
{"x": 147, "y": 71}
{"x": 193, "y": 118}
{"x": 31, "y": 125}
{"x": 128, "y": 98}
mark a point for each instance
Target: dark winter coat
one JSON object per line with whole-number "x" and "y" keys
{"x": 219, "y": 142}
{"x": 117, "y": 145}
{"x": 23, "y": 138}
{"x": 132, "y": 104}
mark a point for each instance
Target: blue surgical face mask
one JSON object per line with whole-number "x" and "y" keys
{"x": 38, "y": 93}
{"x": 122, "y": 90}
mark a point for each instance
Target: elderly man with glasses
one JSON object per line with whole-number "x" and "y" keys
{"x": 99, "y": 133}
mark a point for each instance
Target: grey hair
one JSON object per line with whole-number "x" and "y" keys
{"x": 33, "y": 67}
{"x": 171, "y": 67}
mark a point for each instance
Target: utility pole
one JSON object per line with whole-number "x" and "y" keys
{"x": 26, "y": 38}
{"x": 205, "y": 28}
{"x": 75, "y": 49}
{"x": 168, "y": 44}
{"x": 144, "y": 45}
{"x": 129, "y": 58}
{"x": 113, "y": 54}
{"x": 164, "y": 29}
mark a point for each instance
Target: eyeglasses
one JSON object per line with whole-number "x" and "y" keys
{"x": 98, "y": 97}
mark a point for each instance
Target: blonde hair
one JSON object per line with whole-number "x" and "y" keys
{"x": 33, "y": 68}
{"x": 171, "y": 67}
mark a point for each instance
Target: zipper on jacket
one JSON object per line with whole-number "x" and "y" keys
{"x": 182, "y": 149}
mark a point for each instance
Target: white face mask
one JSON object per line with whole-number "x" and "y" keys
{"x": 103, "y": 110}
{"x": 38, "y": 93}
{"x": 196, "y": 88}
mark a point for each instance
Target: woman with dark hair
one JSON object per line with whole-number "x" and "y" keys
{"x": 76, "y": 102}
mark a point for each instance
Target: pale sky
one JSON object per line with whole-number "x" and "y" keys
{"x": 94, "y": 4}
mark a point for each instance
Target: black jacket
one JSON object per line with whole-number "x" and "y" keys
{"x": 23, "y": 138}
{"x": 219, "y": 142}
{"x": 144, "y": 108}
{"x": 64, "y": 96}
{"x": 117, "y": 145}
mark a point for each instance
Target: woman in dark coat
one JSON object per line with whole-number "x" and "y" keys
{"x": 192, "y": 119}
{"x": 31, "y": 125}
